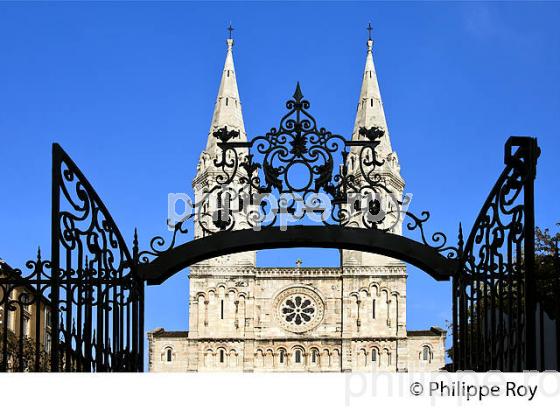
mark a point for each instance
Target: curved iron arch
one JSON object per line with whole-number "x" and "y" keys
{"x": 376, "y": 241}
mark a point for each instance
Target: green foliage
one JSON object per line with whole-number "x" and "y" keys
{"x": 29, "y": 354}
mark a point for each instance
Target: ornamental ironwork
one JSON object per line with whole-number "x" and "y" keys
{"x": 86, "y": 301}
{"x": 299, "y": 173}
{"x": 495, "y": 305}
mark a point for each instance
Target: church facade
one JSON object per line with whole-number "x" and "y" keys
{"x": 297, "y": 319}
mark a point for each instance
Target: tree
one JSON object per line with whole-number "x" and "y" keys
{"x": 546, "y": 276}
{"x": 27, "y": 361}
{"x": 547, "y": 269}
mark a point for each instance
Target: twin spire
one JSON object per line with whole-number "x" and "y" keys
{"x": 228, "y": 113}
{"x": 370, "y": 111}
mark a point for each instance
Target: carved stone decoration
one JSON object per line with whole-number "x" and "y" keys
{"x": 298, "y": 309}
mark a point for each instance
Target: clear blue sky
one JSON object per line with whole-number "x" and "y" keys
{"x": 128, "y": 90}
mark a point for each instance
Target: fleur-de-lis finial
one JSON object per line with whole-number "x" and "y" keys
{"x": 298, "y": 95}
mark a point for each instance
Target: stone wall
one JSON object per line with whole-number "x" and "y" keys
{"x": 426, "y": 350}
{"x": 297, "y": 319}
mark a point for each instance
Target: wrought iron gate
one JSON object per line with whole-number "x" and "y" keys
{"x": 498, "y": 311}
{"x": 83, "y": 309}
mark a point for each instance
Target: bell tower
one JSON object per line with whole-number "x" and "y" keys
{"x": 370, "y": 117}
{"x": 227, "y": 114}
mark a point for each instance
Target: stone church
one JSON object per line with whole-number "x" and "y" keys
{"x": 297, "y": 319}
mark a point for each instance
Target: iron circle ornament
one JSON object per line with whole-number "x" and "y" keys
{"x": 298, "y": 309}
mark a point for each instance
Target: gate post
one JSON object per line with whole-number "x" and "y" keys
{"x": 531, "y": 154}
{"x": 55, "y": 256}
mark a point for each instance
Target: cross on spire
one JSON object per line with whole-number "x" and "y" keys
{"x": 369, "y": 29}
{"x": 230, "y": 29}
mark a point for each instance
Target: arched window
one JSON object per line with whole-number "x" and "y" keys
{"x": 374, "y": 356}
{"x": 389, "y": 358}
{"x": 169, "y": 354}
{"x": 282, "y": 356}
{"x": 426, "y": 353}
{"x": 222, "y": 356}
{"x": 314, "y": 356}
{"x": 221, "y": 309}
{"x": 297, "y": 354}
{"x": 373, "y": 309}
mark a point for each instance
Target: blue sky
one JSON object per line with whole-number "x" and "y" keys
{"x": 128, "y": 90}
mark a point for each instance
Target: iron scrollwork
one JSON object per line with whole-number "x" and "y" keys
{"x": 491, "y": 292}
{"x": 98, "y": 298}
{"x": 87, "y": 299}
{"x": 299, "y": 171}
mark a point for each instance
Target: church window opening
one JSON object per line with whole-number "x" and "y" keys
{"x": 374, "y": 356}
{"x": 314, "y": 356}
{"x": 227, "y": 100}
{"x": 298, "y": 309}
{"x": 388, "y": 358}
{"x": 373, "y": 309}
{"x": 169, "y": 354}
{"x": 297, "y": 356}
{"x": 282, "y": 356}
{"x": 222, "y": 356}
{"x": 426, "y": 354}
{"x": 221, "y": 309}
{"x": 371, "y": 102}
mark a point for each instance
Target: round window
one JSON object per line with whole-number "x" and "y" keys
{"x": 298, "y": 309}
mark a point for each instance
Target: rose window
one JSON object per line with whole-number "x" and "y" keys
{"x": 299, "y": 309}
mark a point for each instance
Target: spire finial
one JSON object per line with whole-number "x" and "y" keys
{"x": 229, "y": 41}
{"x": 370, "y": 40}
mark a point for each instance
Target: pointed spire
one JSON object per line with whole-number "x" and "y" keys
{"x": 227, "y": 111}
{"x": 370, "y": 107}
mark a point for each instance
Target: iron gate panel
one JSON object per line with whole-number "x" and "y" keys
{"x": 86, "y": 303}
{"x": 494, "y": 289}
